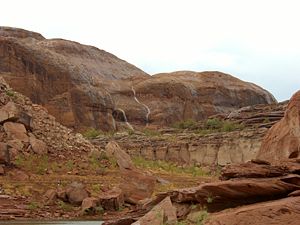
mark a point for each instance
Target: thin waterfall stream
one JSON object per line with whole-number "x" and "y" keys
{"x": 142, "y": 104}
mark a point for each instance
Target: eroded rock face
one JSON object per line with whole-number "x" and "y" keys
{"x": 283, "y": 140}
{"x": 71, "y": 80}
{"x": 279, "y": 212}
{"x": 184, "y": 94}
{"x": 83, "y": 86}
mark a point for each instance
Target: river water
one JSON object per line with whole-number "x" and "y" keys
{"x": 50, "y": 222}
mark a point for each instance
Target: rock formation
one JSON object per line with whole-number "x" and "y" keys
{"x": 190, "y": 95}
{"x": 190, "y": 147}
{"x": 283, "y": 140}
{"x": 84, "y": 87}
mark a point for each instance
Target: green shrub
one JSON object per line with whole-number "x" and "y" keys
{"x": 201, "y": 217}
{"x": 186, "y": 124}
{"x": 213, "y": 124}
{"x": 33, "y": 163}
{"x": 33, "y": 206}
{"x": 91, "y": 133}
{"x": 222, "y": 125}
{"x": 151, "y": 133}
{"x": 10, "y": 93}
{"x": 168, "y": 167}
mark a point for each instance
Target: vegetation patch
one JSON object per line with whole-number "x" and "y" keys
{"x": 186, "y": 124}
{"x": 151, "y": 133}
{"x": 34, "y": 163}
{"x": 91, "y": 133}
{"x": 168, "y": 167}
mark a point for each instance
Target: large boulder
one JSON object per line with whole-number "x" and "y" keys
{"x": 10, "y": 111}
{"x": 234, "y": 192}
{"x": 83, "y": 86}
{"x": 123, "y": 159}
{"x": 16, "y": 131}
{"x": 39, "y": 147}
{"x": 136, "y": 185}
{"x": 112, "y": 200}
{"x": 163, "y": 213}
{"x": 283, "y": 140}
{"x": 13, "y": 112}
{"x": 76, "y": 193}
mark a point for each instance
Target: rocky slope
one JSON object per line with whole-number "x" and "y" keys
{"x": 83, "y": 86}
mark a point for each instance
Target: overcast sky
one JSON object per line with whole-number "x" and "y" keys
{"x": 255, "y": 40}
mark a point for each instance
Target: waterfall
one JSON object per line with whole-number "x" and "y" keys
{"x": 125, "y": 118}
{"x": 142, "y": 104}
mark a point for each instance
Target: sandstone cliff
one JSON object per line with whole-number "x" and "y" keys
{"x": 83, "y": 86}
{"x": 283, "y": 140}
{"x": 192, "y": 147}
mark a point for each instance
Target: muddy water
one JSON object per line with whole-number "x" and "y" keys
{"x": 50, "y": 223}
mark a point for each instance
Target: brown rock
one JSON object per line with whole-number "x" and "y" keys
{"x": 186, "y": 95}
{"x": 252, "y": 170}
{"x": 89, "y": 205}
{"x": 76, "y": 193}
{"x": 50, "y": 197}
{"x": 70, "y": 79}
{"x": 4, "y": 154}
{"x": 10, "y": 112}
{"x": 87, "y": 87}
{"x": 294, "y": 193}
{"x": 163, "y": 213}
{"x": 279, "y": 212}
{"x": 238, "y": 191}
{"x": 283, "y": 140}
{"x": 136, "y": 186}
{"x": 123, "y": 159}
{"x": 39, "y": 147}
{"x": 13, "y": 112}
{"x": 112, "y": 200}
{"x": 16, "y": 131}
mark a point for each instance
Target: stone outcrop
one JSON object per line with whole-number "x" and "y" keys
{"x": 162, "y": 213}
{"x": 283, "y": 140}
{"x": 279, "y": 212}
{"x": 83, "y": 86}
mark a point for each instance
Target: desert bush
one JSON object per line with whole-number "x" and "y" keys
{"x": 91, "y": 133}
{"x": 186, "y": 124}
